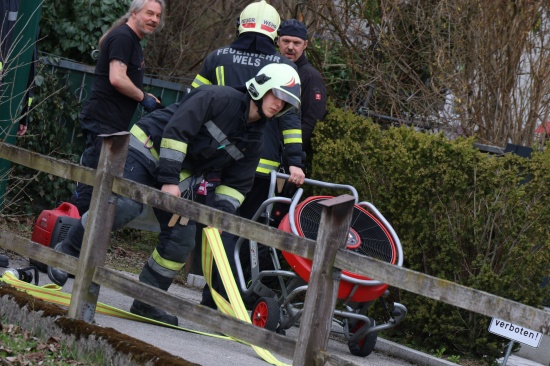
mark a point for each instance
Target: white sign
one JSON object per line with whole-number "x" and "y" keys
{"x": 515, "y": 332}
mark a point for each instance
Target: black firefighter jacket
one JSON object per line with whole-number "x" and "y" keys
{"x": 232, "y": 67}
{"x": 183, "y": 135}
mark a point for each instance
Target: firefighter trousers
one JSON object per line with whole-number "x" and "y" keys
{"x": 174, "y": 243}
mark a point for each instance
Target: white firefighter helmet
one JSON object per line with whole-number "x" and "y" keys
{"x": 282, "y": 80}
{"x": 260, "y": 17}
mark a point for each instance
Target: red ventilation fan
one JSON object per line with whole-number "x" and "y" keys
{"x": 367, "y": 236}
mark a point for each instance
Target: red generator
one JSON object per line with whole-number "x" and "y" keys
{"x": 52, "y": 226}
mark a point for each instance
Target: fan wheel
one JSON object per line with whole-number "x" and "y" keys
{"x": 265, "y": 313}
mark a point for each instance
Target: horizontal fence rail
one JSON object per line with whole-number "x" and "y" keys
{"x": 139, "y": 192}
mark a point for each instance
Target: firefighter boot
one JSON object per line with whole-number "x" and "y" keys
{"x": 207, "y": 299}
{"x": 71, "y": 246}
{"x": 152, "y": 278}
{"x": 57, "y": 276}
{"x": 148, "y": 311}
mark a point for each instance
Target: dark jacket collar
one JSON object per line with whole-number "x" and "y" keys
{"x": 302, "y": 60}
{"x": 254, "y": 43}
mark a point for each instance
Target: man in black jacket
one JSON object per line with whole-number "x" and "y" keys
{"x": 213, "y": 128}
{"x": 292, "y": 42}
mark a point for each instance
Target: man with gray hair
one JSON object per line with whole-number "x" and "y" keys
{"x": 118, "y": 84}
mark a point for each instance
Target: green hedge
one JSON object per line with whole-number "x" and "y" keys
{"x": 54, "y": 113}
{"x": 462, "y": 215}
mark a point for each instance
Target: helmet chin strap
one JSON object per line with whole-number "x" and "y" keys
{"x": 259, "y": 103}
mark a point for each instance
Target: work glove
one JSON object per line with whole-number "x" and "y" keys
{"x": 148, "y": 102}
{"x": 159, "y": 104}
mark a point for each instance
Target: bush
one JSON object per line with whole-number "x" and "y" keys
{"x": 462, "y": 215}
{"x": 55, "y": 110}
{"x": 73, "y": 31}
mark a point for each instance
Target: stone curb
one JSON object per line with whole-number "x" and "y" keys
{"x": 408, "y": 354}
{"x": 195, "y": 281}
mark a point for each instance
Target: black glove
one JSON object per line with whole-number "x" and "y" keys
{"x": 159, "y": 104}
{"x": 149, "y": 102}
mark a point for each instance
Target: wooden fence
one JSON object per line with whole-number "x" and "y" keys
{"x": 328, "y": 255}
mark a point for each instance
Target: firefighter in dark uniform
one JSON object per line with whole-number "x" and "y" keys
{"x": 232, "y": 65}
{"x": 213, "y": 128}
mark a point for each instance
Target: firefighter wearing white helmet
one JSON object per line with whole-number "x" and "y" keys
{"x": 254, "y": 48}
{"x": 259, "y": 17}
{"x": 214, "y": 128}
{"x": 282, "y": 81}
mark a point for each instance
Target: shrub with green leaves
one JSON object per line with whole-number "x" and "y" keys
{"x": 74, "y": 31}
{"x": 53, "y": 130}
{"x": 462, "y": 215}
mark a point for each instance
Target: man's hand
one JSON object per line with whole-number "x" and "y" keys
{"x": 173, "y": 189}
{"x": 149, "y": 102}
{"x": 297, "y": 176}
{"x": 22, "y": 129}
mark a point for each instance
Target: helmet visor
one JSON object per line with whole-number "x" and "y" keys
{"x": 287, "y": 97}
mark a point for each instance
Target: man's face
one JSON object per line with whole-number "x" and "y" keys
{"x": 291, "y": 47}
{"x": 148, "y": 18}
{"x": 271, "y": 105}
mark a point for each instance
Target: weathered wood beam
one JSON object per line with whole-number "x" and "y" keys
{"x": 46, "y": 164}
{"x": 322, "y": 291}
{"x": 99, "y": 224}
{"x": 27, "y": 248}
{"x": 216, "y": 218}
{"x": 446, "y": 291}
{"x": 192, "y": 311}
{"x": 431, "y": 287}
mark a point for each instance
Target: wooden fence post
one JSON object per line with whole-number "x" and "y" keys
{"x": 98, "y": 226}
{"x": 323, "y": 283}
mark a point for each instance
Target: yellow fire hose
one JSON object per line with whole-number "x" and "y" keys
{"x": 212, "y": 249}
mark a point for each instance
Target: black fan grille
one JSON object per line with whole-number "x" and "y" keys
{"x": 374, "y": 240}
